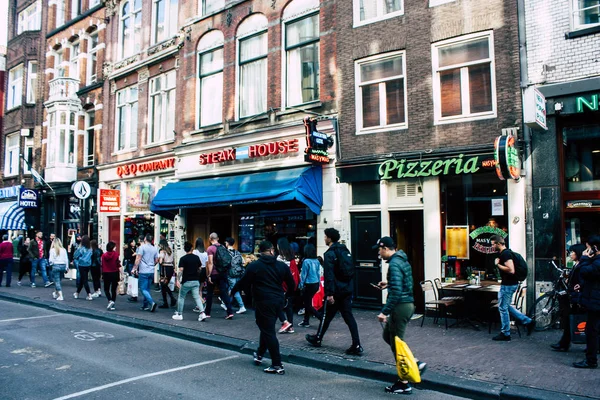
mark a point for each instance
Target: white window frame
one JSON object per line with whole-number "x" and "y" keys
{"x": 60, "y": 13}
{"x": 127, "y": 106}
{"x": 54, "y": 146}
{"x": 11, "y": 154}
{"x": 465, "y": 95}
{"x": 31, "y": 97}
{"x": 383, "y": 16}
{"x": 76, "y": 8}
{"x": 434, "y": 3}
{"x": 203, "y": 6}
{"x": 165, "y": 132}
{"x": 90, "y": 160}
{"x": 59, "y": 69}
{"x": 575, "y": 10}
{"x": 218, "y": 45}
{"x": 27, "y": 149}
{"x": 129, "y": 49}
{"x": 74, "y": 60}
{"x": 92, "y": 52}
{"x": 14, "y": 95}
{"x": 30, "y": 19}
{"x": 170, "y": 26}
{"x": 239, "y": 65}
{"x": 382, "y": 94}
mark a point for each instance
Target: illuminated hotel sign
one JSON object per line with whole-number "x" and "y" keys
{"x": 252, "y": 151}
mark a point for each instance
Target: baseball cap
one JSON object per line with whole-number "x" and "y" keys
{"x": 385, "y": 241}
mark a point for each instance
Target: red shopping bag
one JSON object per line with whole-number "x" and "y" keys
{"x": 317, "y": 300}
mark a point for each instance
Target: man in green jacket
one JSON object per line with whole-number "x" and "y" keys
{"x": 399, "y": 307}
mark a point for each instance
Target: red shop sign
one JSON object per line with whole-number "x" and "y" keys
{"x": 110, "y": 200}
{"x": 252, "y": 151}
{"x": 150, "y": 166}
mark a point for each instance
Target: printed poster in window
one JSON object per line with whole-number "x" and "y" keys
{"x": 497, "y": 207}
{"x": 457, "y": 241}
{"x": 139, "y": 196}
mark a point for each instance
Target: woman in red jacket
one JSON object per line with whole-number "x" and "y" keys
{"x": 111, "y": 273}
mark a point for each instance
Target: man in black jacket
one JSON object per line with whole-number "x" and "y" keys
{"x": 338, "y": 294}
{"x": 266, "y": 277}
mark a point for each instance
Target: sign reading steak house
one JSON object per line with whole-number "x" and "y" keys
{"x": 403, "y": 168}
{"x": 140, "y": 168}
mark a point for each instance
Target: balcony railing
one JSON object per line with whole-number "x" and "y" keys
{"x": 63, "y": 88}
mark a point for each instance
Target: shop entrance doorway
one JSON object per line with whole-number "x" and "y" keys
{"x": 114, "y": 232}
{"x": 406, "y": 228}
{"x": 366, "y": 229}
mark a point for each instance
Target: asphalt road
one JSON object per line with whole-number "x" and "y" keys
{"x": 48, "y": 355}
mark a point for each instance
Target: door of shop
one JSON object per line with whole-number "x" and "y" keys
{"x": 366, "y": 229}
{"x": 406, "y": 228}
{"x": 114, "y": 232}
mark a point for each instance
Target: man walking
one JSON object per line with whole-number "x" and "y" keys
{"x": 338, "y": 292}
{"x": 6, "y": 259}
{"x": 399, "y": 307}
{"x": 235, "y": 272}
{"x": 506, "y": 265}
{"x": 39, "y": 258}
{"x": 265, "y": 276}
{"x": 215, "y": 277}
{"x": 188, "y": 279}
{"x": 146, "y": 259}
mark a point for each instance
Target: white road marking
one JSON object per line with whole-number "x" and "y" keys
{"x": 22, "y": 319}
{"x": 137, "y": 378}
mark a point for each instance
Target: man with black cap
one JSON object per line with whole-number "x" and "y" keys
{"x": 399, "y": 307}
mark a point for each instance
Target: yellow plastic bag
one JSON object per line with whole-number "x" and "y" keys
{"x": 406, "y": 365}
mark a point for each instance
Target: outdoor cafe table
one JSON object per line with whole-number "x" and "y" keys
{"x": 478, "y": 299}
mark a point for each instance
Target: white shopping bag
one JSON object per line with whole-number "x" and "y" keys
{"x": 132, "y": 286}
{"x": 172, "y": 283}
{"x": 71, "y": 274}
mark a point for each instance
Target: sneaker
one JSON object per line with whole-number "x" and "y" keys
{"x": 89, "y": 297}
{"x": 354, "y": 350}
{"x": 33, "y": 285}
{"x": 48, "y": 284}
{"x": 112, "y": 308}
{"x": 304, "y": 324}
{"x": 501, "y": 337}
{"x": 177, "y": 316}
{"x": 223, "y": 306}
{"x": 313, "y": 339}
{"x": 145, "y": 308}
{"x": 399, "y": 388}
{"x": 196, "y": 309}
{"x": 75, "y": 295}
{"x": 54, "y": 295}
{"x": 257, "y": 359}
{"x": 230, "y": 316}
{"x": 301, "y": 311}
{"x": 99, "y": 293}
{"x": 110, "y": 305}
{"x": 284, "y": 327}
{"x": 95, "y": 295}
{"x": 60, "y": 298}
{"x": 19, "y": 283}
{"x": 585, "y": 364}
{"x": 202, "y": 317}
{"x": 241, "y": 310}
{"x": 275, "y": 369}
{"x": 207, "y": 316}
{"x": 290, "y": 330}
{"x": 422, "y": 367}
{"x": 153, "y": 307}
{"x": 132, "y": 299}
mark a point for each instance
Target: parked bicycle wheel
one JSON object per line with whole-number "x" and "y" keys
{"x": 545, "y": 311}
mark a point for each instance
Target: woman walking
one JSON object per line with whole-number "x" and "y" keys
{"x": 59, "y": 261}
{"x": 166, "y": 259}
{"x": 96, "y": 268}
{"x": 83, "y": 262}
{"x": 286, "y": 254}
{"x": 129, "y": 256}
{"x": 310, "y": 281}
{"x": 111, "y": 273}
{"x": 200, "y": 252}
{"x": 24, "y": 261}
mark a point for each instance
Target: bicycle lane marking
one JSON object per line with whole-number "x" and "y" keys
{"x": 137, "y": 378}
{"x": 26, "y": 318}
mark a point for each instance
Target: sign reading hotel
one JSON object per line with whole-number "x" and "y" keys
{"x": 144, "y": 167}
{"x": 28, "y": 198}
{"x": 252, "y": 151}
{"x": 110, "y": 200}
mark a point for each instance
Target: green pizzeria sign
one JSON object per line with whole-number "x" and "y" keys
{"x": 403, "y": 168}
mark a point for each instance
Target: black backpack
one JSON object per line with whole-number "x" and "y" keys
{"x": 237, "y": 264}
{"x": 520, "y": 266}
{"x": 344, "y": 264}
{"x": 222, "y": 259}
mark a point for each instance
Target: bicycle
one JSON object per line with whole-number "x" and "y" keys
{"x": 546, "y": 309}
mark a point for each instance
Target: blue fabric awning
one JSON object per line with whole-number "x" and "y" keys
{"x": 12, "y": 217}
{"x": 301, "y": 184}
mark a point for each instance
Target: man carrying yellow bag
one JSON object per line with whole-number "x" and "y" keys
{"x": 396, "y": 314}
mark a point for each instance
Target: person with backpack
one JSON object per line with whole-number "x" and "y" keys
{"x": 511, "y": 266}
{"x": 217, "y": 268}
{"x": 235, "y": 272}
{"x": 96, "y": 268}
{"x": 287, "y": 255}
{"x": 82, "y": 259}
{"x": 310, "y": 282}
{"x": 338, "y": 268}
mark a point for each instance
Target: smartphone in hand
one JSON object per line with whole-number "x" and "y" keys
{"x": 376, "y": 286}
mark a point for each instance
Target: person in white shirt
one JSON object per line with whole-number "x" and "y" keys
{"x": 59, "y": 261}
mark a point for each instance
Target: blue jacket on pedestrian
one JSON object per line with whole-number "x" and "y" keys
{"x": 311, "y": 272}
{"x": 82, "y": 257}
{"x": 590, "y": 282}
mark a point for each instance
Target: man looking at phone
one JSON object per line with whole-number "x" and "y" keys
{"x": 590, "y": 299}
{"x": 399, "y": 307}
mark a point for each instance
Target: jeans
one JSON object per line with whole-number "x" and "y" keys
{"x": 6, "y": 264}
{"x": 57, "y": 269}
{"x": 506, "y": 310}
{"x": 343, "y": 304}
{"x": 84, "y": 273}
{"x": 223, "y": 288}
{"x": 189, "y": 286}
{"x": 266, "y": 316}
{"x": 96, "y": 273}
{"x": 237, "y": 296}
{"x": 145, "y": 281}
{"x": 310, "y": 289}
{"x": 40, "y": 263}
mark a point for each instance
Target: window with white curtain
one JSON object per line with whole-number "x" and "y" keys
{"x": 164, "y": 21}
{"x": 32, "y": 71}
{"x": 130, "y": 32}
{"x": 586, "y": 13}
{"x": 162, "y": 108}
{"x": 368, "y": 11}
{"x": 59, "y": 68}
{"x": 14, "y": 97}
{"x": 92, "y": 62}
{"x": 60, "y": 13}
{"x": 89, "y": 145}
{"x": 206, "y": 7}
{"x": 74, "y": 61}
{"x": 30, "y": 19}
{"x": 11, "y": 155}
{"x": 210, "y": 79}
{"x": 302, "y": 60}
{"x": 252, "y": 59}
{"x": 126, "y": 119}
{"x": 75, "y": 8}
{"x": 62, "y": 125}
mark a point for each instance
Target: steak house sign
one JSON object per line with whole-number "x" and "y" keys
{"x": 403, "y": 168}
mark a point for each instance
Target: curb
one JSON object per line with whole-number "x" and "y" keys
{"x": 469, "y": 388}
